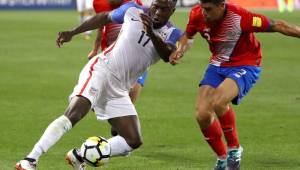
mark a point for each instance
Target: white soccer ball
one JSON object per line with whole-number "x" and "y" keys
{"x": 95, "y": 151}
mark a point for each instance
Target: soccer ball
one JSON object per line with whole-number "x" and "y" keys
{"x": 95, "y": 151}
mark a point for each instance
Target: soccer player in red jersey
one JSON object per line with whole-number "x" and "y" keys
{"x": 234, "y": 67}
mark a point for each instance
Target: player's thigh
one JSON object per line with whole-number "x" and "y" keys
{"x": 78, "y": 107}
{"x": 207, "y": 87}
{"x": 92, "y": 83}
{"x": 226, "y": 91}
{"x": 204, "y": 99}
{"x": 244, "y": 77}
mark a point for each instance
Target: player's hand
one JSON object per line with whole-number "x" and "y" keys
{"x": 148, "y": 23}
{"x": 92, "y": 54}
{"x": 175, "y": 56}
{"x": 63, "y": 37}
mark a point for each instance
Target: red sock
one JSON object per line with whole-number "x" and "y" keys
{"x": 228, "y": 125}
{"x": 213, "y": 136}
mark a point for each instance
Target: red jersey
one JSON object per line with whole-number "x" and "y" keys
{"x": 110, "y": 32}
{"x": 231, "y": 40}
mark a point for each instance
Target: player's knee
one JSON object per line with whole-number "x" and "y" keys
{"x": 203, "y": 116}
{"x": 219, "y": 104}
{"x": 77, "y": 109}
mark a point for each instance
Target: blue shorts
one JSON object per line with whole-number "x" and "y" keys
{"x": 244, "y": 76}
{"x": 141, "y": 80}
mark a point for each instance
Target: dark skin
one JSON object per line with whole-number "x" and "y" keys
{"x": 160, "y": 12}
{"x": 127, "y": 126}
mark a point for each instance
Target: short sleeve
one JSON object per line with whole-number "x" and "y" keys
{"x": 139, "y": 2}
{"x": 193, "y": 22}
{"x": 118, "y": 14}
{"x": 252, "y": 22}
{"x": 174, "y": 37}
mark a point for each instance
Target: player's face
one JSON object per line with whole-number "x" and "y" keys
{"x": 212, "y": 12}
{"x": 160, "y": 12}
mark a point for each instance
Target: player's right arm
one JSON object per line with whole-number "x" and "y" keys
{"x": 184, "y": 43}
{"x": 98, "y": 21}
{"x": 187, "y": 39}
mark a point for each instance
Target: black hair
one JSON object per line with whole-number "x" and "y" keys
{"x": 216, "y": 2}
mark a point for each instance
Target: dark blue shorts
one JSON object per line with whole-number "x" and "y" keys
{"x": 244, "y": 76}
{"x": 141, "y": 80}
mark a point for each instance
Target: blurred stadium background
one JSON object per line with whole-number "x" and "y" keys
{"x": 70, "y": 4}
{"x": 36, "y": 79}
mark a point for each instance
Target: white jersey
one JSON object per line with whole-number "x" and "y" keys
{"x": 133, "y": 52}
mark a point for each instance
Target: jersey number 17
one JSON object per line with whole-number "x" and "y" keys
{"x": 141, "y": 40}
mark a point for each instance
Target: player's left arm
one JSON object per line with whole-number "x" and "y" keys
{"x": 252, "y": 22}
{"x": 284, "y": 27}
{"x": 164, "y": 49}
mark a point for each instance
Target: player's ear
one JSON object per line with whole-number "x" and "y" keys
{"x": 173, "y": 10}
{"x": 222, "y": 4}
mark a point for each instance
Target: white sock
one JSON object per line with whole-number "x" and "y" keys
{"x": 52, "y": 134}
{"x": 119, "y": 146}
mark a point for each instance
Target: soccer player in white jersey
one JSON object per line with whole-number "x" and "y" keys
{"x": 86, "y": 11}
{"x": 104, "y": 83}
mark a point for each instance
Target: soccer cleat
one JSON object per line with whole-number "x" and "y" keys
{"x": 221, "y": 164}
{"x": 234, "y": 158}
{"x": 75, "y": 160}
{"x": 26, "y": 164}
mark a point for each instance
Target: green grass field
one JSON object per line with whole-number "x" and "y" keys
{"x": 36, "y": 78}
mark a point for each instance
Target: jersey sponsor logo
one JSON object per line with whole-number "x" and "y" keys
{"x": 256, "y": 22}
